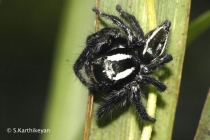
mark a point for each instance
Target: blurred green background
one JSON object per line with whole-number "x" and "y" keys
{"x": 28, "y": 39}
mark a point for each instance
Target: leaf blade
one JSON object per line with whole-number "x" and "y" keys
{"x": 127, "y": 126}
{"x": 203, "y": 132}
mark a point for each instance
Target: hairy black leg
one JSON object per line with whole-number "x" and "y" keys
{"x": 118, "y": 22}
{"x": 111, "y": 101}
{"x": 133, "y": 22}
{"x": 105, "y": 32}
{"x": 94, "y": 45}
{"x": 158, "y": 62}
{"x": 136, "y": 100}
{"x": 101, "y": 40}
{"x": 78, "y": 67}
{"x": 147, "y": 79}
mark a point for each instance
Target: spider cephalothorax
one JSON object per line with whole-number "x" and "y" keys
{"x": 118, "y": 62}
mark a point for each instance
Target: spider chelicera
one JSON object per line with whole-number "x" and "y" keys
{"x": 118, "y": 60}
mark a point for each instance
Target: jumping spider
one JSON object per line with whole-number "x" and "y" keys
{"x": 119, "y": 62}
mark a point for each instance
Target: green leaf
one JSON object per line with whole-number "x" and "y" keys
{"x": 127, "y": 125}
{"x": 65, "y": 111}
{"x": 67, "y": 99}
{"x": 198, "y": 26}
{"x": 203, "y": 131}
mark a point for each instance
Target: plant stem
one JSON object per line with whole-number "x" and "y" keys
{"x": 152, "y": 98}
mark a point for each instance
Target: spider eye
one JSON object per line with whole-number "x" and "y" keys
{"x": 156, "y": 41}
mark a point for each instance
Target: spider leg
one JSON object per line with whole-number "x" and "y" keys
{"x": 111, "y": 101}
{"x": 101, "y": 40}
{"x": 136, "y": 100}
{"x": 78, "y": 67}
{"x": 95, "y": 44}
{"x": 133, "y": 22}
{"x": 102, "y": 37}
{"x": 147, "y": 79}
{"x": 158, "y": 62}
{"x": 118, "y": 22}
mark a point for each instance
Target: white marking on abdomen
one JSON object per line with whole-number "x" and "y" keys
{"x": 121, "y": 46}
{"x": 124, "y": 74}
{"x": 109, "y": 69}
{"x": 118, "y": 57}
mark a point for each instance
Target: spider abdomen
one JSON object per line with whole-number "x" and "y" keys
{"x": 116, "y": 66}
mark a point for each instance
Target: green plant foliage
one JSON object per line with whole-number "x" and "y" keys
{"x": 198, "y": 26}
{"x": 65, "y": 112}
{"x": 66, "y": 107}
{"x": 203, "y": 131}
{"x": 127, "y": 125}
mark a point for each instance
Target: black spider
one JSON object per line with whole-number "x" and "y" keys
{"x": 118, "y": 62}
